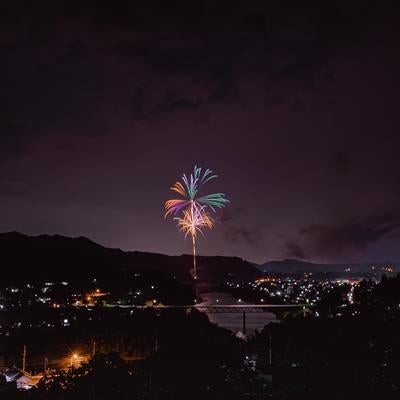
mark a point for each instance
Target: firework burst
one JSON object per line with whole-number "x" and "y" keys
{"x": 194, "y": 221}
{"x": 194, "y": 208}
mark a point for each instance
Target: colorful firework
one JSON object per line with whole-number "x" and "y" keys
{"x": 194, "y": 220}
{"x": 195, "y": 216}
{"x": 189, "y": 191}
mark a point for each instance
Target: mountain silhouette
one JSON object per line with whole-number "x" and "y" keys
{"x": 57, "y": 258}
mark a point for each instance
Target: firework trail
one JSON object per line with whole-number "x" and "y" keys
{"x": 194, "y": 209}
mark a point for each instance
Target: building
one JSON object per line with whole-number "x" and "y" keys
{"x": 23, "y": 379}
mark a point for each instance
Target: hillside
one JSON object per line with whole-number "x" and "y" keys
{"x": 294, "y": 265}
{"x": 33, "y": 258}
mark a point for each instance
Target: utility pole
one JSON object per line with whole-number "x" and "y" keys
{"x": 24, "y": 359}
{"x": 150, "y": 383}
{"x": 46, "y": 362}
{"x": 270, "y": 348}
{"x": 244, "y": 322}
{"x": 94, "y": 348}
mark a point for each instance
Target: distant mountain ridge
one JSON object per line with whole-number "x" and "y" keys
{"x": 54, "y": 257}
{"x": 31, "y": 258}
{"x": 292, "y": 265}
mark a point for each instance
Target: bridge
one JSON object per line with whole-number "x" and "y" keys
{"x": 219, "y": 308}
{"x": 214, "y": 308}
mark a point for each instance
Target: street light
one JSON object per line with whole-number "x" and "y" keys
{"x": 74, "y": 357}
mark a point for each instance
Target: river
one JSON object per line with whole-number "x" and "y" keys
{"x": 234, "y": 321}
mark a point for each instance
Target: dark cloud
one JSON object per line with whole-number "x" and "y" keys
{"x": 171, "y": 106}
{"x": 274, "y": 101}
{"x": 236, "y": 230}
{"x": 104, "y": 58}
{"x": 356, "y": 234}
{"x": 293, "y": 103}
{"x": 294, "y": 250}
{"x": 342, "y": 163}
{"x": 244, "y": 235}
{"x": 230, "y": 214}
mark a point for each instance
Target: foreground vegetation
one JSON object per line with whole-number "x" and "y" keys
{"x": 344, "y": 353}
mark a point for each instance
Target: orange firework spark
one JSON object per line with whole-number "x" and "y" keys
{"x": 195, "y": 217}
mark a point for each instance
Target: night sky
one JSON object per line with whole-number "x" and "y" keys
{"x": 294, "y": 104}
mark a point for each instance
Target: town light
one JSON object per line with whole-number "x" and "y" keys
{"x": 74, "y": 358}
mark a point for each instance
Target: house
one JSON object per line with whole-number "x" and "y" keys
{"x": 23, "y": 379}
